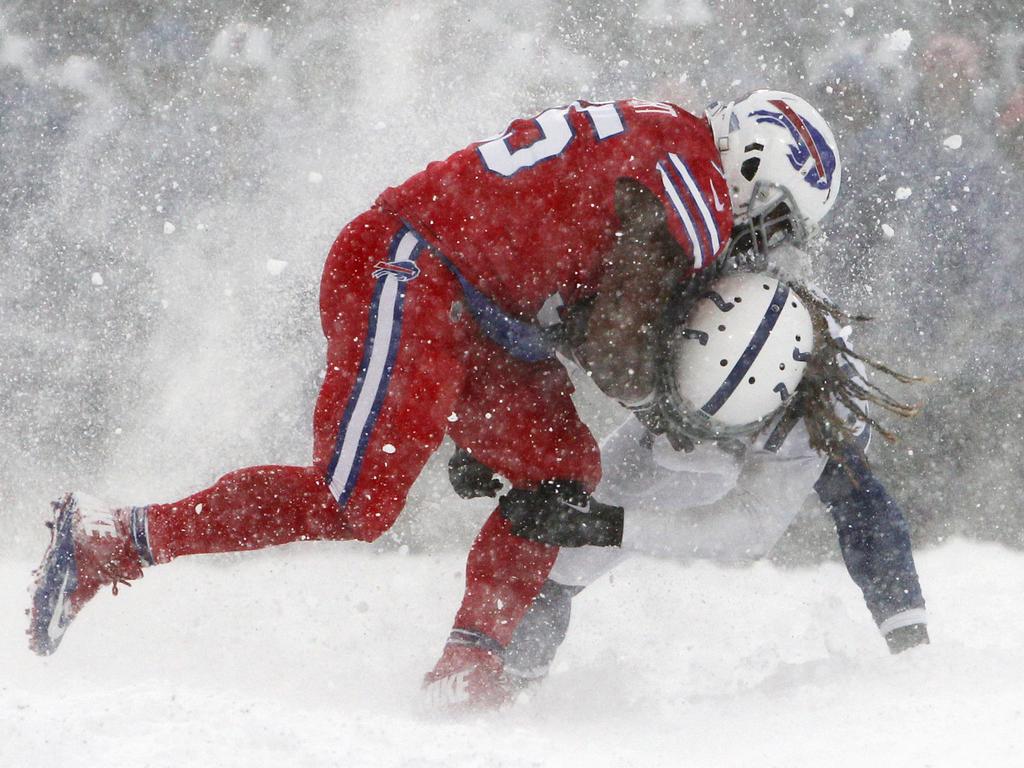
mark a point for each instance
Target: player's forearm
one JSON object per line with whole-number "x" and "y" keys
{"x": 726, "y": 533}
{"x": 618, "y": 351}
{"x": 639, "y": 274}
{"x": 874, "y": 539}
{"x": 739, "y": 527}
{"x": 621, "y": 331}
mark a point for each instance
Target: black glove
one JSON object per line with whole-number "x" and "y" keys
{"x": 904, "y": 638}
{"x": 470, "y": 478}
{"x": 560, "y": 513}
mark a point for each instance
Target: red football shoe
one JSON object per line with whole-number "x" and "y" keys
{"x": 90, "y": 547}
{"x": 467, "y": 679}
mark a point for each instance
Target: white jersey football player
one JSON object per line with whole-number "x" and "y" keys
{"x": 763, "y": 403}
{"x": 759, "y": 404}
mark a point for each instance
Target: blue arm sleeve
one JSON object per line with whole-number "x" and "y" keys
{"x": 873, "y": 536}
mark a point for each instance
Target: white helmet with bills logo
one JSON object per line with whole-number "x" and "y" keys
{"x": 781, "y": 163}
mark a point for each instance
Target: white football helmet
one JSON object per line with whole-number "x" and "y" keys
{"x": 781, "y": 163}
{"x": 737, "y": 357}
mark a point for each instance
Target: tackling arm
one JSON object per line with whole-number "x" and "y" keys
{"x": 666, "y": 511}
{"x": 639, "y": 274}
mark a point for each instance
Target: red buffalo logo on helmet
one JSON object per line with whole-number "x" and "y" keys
{"x": 809, "y": 144}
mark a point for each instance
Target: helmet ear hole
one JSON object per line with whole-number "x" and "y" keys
{"x": 749, "y": 168}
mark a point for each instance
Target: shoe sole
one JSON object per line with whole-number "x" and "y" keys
{"x": 55, "y": 581}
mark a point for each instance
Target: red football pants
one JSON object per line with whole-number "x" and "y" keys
{"x": 405, "y": 364}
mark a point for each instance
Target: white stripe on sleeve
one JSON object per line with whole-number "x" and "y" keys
{"x": 903, "y": 619}
{"x": 684, "y": 214}
{"x": 375, "y": 372}
{"x": 698, "y": 198}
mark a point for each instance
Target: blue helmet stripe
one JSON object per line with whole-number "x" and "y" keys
{"x": 757, "y": 342}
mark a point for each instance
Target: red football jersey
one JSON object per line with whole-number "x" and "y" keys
{"x": 531, "y": 212}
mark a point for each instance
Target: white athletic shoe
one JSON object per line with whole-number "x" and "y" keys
{"x": 90, "y": 547}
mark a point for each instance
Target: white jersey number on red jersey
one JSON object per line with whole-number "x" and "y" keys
{"x": 556, "y": 134}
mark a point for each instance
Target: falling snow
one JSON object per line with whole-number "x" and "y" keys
{"x": 175, "y": 174}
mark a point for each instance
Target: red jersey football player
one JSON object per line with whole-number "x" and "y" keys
{"x": 782, "y": 171}
{"x": 429, "y": 303}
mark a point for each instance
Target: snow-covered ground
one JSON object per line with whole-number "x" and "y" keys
{"x": 311, "y": 655}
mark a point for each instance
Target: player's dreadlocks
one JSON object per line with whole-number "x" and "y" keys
{"x": 831, "y": 377}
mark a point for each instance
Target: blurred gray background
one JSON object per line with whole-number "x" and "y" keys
{"x": 172, "y": 174}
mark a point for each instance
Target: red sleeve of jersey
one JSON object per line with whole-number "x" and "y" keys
{"x": 698, "y": 209}
{"x": 685, "y": 174}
